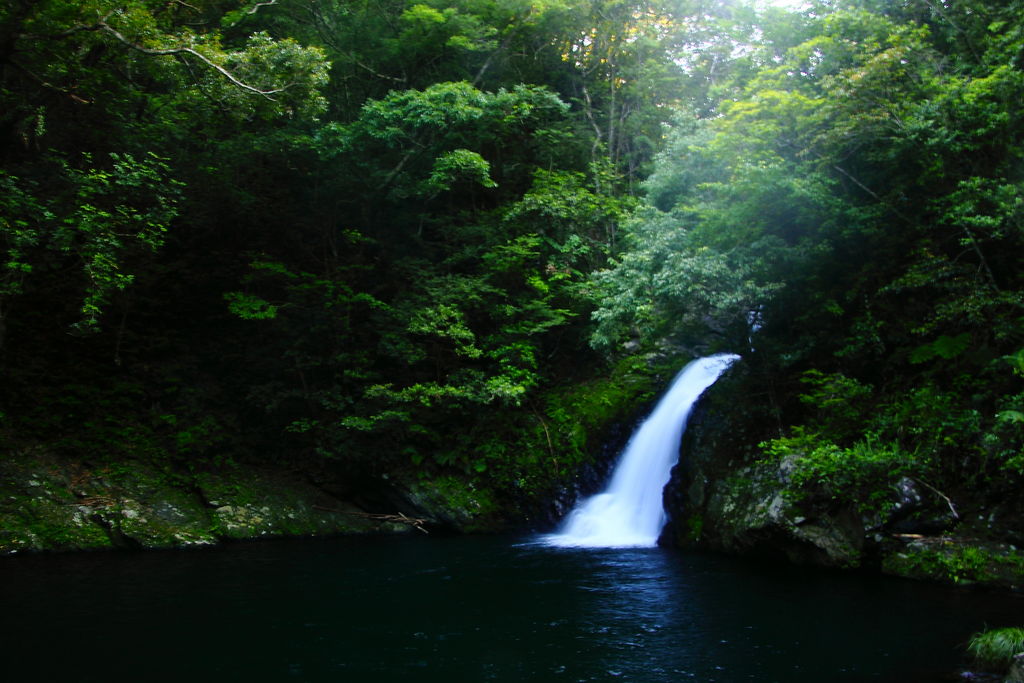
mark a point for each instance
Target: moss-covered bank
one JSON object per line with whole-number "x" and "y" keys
{"x": 52, "y": 503}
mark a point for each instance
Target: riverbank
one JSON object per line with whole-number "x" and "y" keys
{"x": 50, "y": 503}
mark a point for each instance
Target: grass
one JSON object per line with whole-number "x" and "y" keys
{"x": 995, "y": 649}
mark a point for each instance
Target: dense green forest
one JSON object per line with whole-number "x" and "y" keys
{"x": 458, "y": 239}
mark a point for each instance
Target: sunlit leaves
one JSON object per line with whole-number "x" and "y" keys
{"x": 445, "y": 322}
{"x": 421, "y": 143}
{"x": 459, "y": 165}
{"x": 666, "y": 284}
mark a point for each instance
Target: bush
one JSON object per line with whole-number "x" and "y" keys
{"x": 865, "y": 472}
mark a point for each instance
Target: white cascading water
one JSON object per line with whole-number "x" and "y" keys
{"x": 629, "y": 512}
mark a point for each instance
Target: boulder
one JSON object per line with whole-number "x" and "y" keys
{"x": 1016, "y": 672}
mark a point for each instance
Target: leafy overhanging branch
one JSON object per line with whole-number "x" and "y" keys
{"x": 107, "y": 28}
{"x": 103, "y": 26}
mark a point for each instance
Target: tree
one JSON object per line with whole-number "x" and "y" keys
{"x": 89, "y": 92}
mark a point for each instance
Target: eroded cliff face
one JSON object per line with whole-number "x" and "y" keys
{"x": 726, "y": 496}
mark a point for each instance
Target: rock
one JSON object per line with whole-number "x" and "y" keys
{"x": 1016, "y": 672}
{"x": 721, "y": 498}
{"x": 448, "y": 503}
{"x": 748, "y": 514}
{"x": 49, "y": 503}
{"x": 956, "y": 560}
{"x": 38, "y": 511}
{"x": 257, "y": 503}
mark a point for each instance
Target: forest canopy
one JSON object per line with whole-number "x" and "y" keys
{"x": 450, "y": 236}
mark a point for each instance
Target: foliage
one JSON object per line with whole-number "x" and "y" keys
{"x": 102, "y": 216}
{"x": 663, "y": 286}
{"x": 960, "y": 564}
{"x": 446, "y": 236}
{"x": 852, "y": 211}
{"x": 996, "y": 648}
{"x": 864, "y": 473}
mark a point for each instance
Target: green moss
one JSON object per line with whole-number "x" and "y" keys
{"x": 230, "y": 485}
{"x": 739, "y": 485}
{"x": 44, "y": 526}
{"x": 467, "y": 500}
{"x": 956, "y": 563}
{"x": 694, "y": 528}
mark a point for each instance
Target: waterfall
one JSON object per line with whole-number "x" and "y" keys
{"x": 629, "y": 511}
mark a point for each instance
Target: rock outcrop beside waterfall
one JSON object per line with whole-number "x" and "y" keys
{"x": 721, "y": 498}
{"x": 725, "y": 496}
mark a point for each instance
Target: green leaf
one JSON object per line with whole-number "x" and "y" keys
{"x": 944, "y": 347}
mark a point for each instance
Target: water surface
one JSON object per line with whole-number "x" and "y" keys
{"x": 471, "y": 609}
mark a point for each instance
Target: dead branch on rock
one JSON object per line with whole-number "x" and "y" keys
{"x": 417, "y": 523}
{"x": 93, "y": 502}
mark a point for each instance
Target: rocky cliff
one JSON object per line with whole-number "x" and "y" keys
{"x": 726, "y": 496}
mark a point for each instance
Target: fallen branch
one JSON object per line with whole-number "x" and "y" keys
{"x": 93, "y": 502}
{"x": 943, "y": 496}
{"x": 415, "y": 522}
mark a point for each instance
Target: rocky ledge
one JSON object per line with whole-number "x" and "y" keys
{"x": 48, "y": 503}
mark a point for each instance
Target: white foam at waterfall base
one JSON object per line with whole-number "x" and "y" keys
{"x": 629, "y": 512}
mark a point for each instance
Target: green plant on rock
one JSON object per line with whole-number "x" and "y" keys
{"x": 995, "y": 649}
{"x": 863, "y": 472}
{"x": 960, "y": 564}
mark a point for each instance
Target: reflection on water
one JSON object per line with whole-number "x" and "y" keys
{"x": 471, "y": 609}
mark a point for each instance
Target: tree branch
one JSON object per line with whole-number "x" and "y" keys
{"x": 46, "y": 84}
{"x": 952, "y": 508}
{"x": 102, "y": 25}
{"x": 376, "y": 73}
{"x": 185, "y": 4}
{"x": 257, "y": 6}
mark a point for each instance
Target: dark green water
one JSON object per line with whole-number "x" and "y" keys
{"x": 471, "y": 609}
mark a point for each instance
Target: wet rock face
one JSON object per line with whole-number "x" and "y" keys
{"x": 725, "y": 496}
{"x": 721, "y": 498}
{"x": 747, "y": 513}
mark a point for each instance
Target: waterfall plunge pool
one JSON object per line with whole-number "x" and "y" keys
{"x": 472, "y": 609}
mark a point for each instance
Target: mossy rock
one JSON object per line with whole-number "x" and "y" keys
{"x": 170, "y": 520}
{"x": 55, "y": 504}
{"x": 247, "y": 503}
{"x": 39, "y": 511}
{"x": 37, "y": 525}
{"x": 749, "y": 514}
{"x": 453, "y": 502}
{"x": 954, "y": 560}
